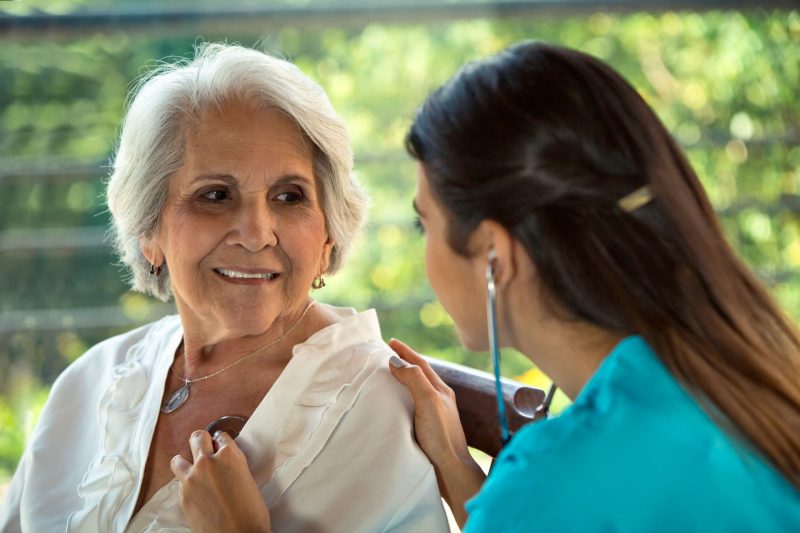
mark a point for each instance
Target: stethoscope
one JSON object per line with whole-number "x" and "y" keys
{"x": 494, "y": 347}
{"x": 230, "y": 424}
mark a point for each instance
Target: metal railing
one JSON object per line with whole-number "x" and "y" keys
{"x": 154, "y": 17}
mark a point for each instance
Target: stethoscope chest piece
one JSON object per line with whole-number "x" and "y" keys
{"x": 232, "y": 425}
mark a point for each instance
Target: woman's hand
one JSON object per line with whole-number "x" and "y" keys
{"x": 217, "y": 492}
{"x": 438, "y": 428}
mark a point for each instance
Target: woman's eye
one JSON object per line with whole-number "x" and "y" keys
{"x": 289, "y": 197}
{"x": 418, "y": 225}
{"x": 216, "y": 195}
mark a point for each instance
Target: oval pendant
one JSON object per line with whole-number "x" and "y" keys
{"x": 177, "y": 399}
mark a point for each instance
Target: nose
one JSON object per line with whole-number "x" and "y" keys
{"x": 254, "y": 225}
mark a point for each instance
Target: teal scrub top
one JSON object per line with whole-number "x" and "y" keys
{"x": 634, "y": 452}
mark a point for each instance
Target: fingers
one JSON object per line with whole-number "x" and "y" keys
{"x": 180, "y": 467}
{"x": 414, "y": 379}
{"x": 405, "y": 351}
{"x": 222, "y": 439}
{"x": 200, "y": 443}
{"x": 408, "y": 354}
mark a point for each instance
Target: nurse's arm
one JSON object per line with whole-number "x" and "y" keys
{"x": 438, "y": 429}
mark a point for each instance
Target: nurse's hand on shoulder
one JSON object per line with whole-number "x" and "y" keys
{"x": 436, "y": 422}
{"x": 217, "y": 491}
{"x": 438, "y": 428}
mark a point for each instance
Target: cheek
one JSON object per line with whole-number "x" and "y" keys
{"x": 431, "y": 267}
{"x": 460, "y": 294}
{"x": 190, "y": 239}
{"x": 304, "y": 244}
{"x": 446, "y": 280}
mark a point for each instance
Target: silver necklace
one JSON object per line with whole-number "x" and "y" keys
{"x": 179, "y": 397}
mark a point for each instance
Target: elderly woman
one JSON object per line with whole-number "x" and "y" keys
{"x": 232, "y": 193}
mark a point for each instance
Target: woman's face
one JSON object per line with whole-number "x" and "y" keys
{"x": 242, "y": 231}
{"x": 459, "y": 282}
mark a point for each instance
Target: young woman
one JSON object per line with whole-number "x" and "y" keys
{"x": 544, "y": 173}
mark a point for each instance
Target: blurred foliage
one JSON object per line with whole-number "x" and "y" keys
{"x": 19, "y": 409}
{"x": 724, "y": 82}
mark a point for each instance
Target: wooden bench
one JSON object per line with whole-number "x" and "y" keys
{"x": 477, "y": 404}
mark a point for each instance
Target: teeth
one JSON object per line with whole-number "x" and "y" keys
{"x": 234, "y": 274}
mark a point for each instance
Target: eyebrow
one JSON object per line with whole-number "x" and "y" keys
{"x": 227, "y": 178}
{"x": 211, "y": 177}
{"x": 289, "y": 178}
{"x": 416, "y": 207}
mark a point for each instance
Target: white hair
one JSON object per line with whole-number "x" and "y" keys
{"x": 152, "y": 144}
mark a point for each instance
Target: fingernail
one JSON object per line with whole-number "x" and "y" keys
{"x": 397, "y": 362}
{"x": 217, "y": 434}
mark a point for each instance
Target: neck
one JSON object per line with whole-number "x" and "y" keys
{"x": 569, "y": 352}
{"x": 200, "y": 354}
{"x": 570, "y": 363}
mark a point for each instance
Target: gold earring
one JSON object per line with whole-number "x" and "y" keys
{"x": 318, "y": 283}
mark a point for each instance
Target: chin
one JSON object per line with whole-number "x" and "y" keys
{"x": 476, "y": 343}
{"x": 248, "y": 324}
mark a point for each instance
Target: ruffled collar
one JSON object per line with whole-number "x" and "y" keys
{"x": 110, "y": 487}
{"x": 287, "y": 430}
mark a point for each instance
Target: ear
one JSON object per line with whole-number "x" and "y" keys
{"x": 151, "y": 251}
{"x": 496, "y": 237}
{"x": 325, "y": 259}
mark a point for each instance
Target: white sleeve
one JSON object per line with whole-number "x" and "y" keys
{"x": 10, "y": 521}
{"x": 421, "y": 510}
{"x": 371, "y": 476}
{"x": 391, "y": 483}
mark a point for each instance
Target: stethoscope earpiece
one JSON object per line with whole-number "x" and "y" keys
{"x": 494, "y": 346}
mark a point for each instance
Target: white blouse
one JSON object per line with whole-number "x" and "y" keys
{"x": 331, "y": 444}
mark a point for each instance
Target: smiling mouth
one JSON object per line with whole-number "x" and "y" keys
{"x": 245, "y": 275}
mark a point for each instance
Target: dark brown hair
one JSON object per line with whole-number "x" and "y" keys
{"x": 545, "y": 141}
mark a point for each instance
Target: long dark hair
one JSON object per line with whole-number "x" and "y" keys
{"x": 545, "y": 141}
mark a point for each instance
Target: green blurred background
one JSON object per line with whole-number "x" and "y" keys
{"x": 725, "y": 83}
